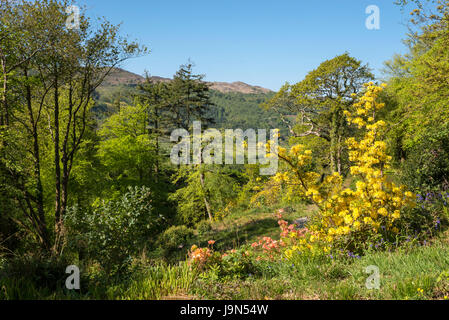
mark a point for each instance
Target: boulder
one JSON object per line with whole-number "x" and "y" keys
{"x": 301, "y": 222}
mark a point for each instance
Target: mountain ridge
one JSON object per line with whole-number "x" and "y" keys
{"x": 120, "y": 76}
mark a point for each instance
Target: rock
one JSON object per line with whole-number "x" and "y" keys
{"x": 301, "y": 222}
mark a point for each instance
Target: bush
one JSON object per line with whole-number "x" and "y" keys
{"x": 204, "y": 228}
{"x": 34, "y": 271}
{"x": 116, "y": 230}
{"x": 427, "y": 166}
{"x": 431, "y": 214}
{"x": 174, "y": 241}
{"x": 238, "y": 264}
{"x": 232, "y": 265}
{"x": 347, "y": 219}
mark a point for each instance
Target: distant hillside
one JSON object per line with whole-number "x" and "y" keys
{"x": 122, "y": 77}
{"x": 237, "y": 105}
{"x": 241, "y": 87}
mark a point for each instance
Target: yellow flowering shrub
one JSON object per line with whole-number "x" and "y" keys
{"x": 349, "y": 218}
{"x": 284, "y": 186}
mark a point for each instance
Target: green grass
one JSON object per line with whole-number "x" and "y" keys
{"x": 245, "y": 227}
{"x": 402, "y": 272}
{"x": 156, "y": 283}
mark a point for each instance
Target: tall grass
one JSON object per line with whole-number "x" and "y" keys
{"x": 157, "y": 282}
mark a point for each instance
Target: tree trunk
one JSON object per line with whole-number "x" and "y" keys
{"x": 339, "y": 155}
{"x": 4, "y": 117}
{"x": 206, "y": 201}
{"x": 58, "y": 217}
{"x": 41, "y": 223}
{"x": 156, "y": 125}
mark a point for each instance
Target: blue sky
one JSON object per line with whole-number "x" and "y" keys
{"x": 260, "y": 42}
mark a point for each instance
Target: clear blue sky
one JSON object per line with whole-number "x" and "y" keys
{"x": 260, "y": 42}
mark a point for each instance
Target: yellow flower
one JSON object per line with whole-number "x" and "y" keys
{"x": 396, "y": 215}
{"x": 383, "y": 212}
{"x": 296, "y": 149}
{"x": 360, "y": 185}
{"x": 348, "y": 219}
{"x": 368, "y": 220}
{"x": 409, "y": 194}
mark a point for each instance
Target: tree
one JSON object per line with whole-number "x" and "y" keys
{"x": 207, "y": 191}
{"x": 418, "y": 94}
{"x": 319, "y": 101}
{"x": 190, "y": 101}
{"x": 155, "y": 99}
{"x": 126, "y": 150}
{"x": 52, "y": 86}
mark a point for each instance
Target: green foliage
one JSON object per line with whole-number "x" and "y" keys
{"x": 427, "y": 165}
{"x": 418, "y": 99}
{"x": 175, "y": 241}
{"x": 235, "y": 110}
{"x": 204, "y": 228}
{"x": 189, "y": 98}
{"x": 238, "y": 265}
{"x": 45, "y": 105}
{"x": 219, "y": 189}
{"x": 23, "y": 277}
{"x": 126, "y": 150}
{"x": 317, "y": 104}
{"x": 115, "y": 230}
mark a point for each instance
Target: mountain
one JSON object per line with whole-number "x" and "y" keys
{"x": 122, "y": 77}
{"x": 237, "y": 104}
{"x": 241, "y": 87}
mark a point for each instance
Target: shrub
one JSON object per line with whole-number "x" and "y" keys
{"x": 426, "y": 168}
{"x": 204, "y": 228}
{"x": 238, "y": 264}
{"x": 176, "y": 237}
{"x": 347, "y": 219}
{"x": 204, "y": 258}
{"x": 114, "y": 231}
{"x": 32, "y": 271}
{"x": 430, "y": 215}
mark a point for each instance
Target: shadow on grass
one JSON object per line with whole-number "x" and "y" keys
{"x": 236, "y": 235}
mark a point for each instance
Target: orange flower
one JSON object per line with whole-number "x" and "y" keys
{"x": 211, "y": 242}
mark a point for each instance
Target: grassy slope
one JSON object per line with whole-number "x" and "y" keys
{"x": 403, "y": 272}
{"x": 241, "y": 228}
